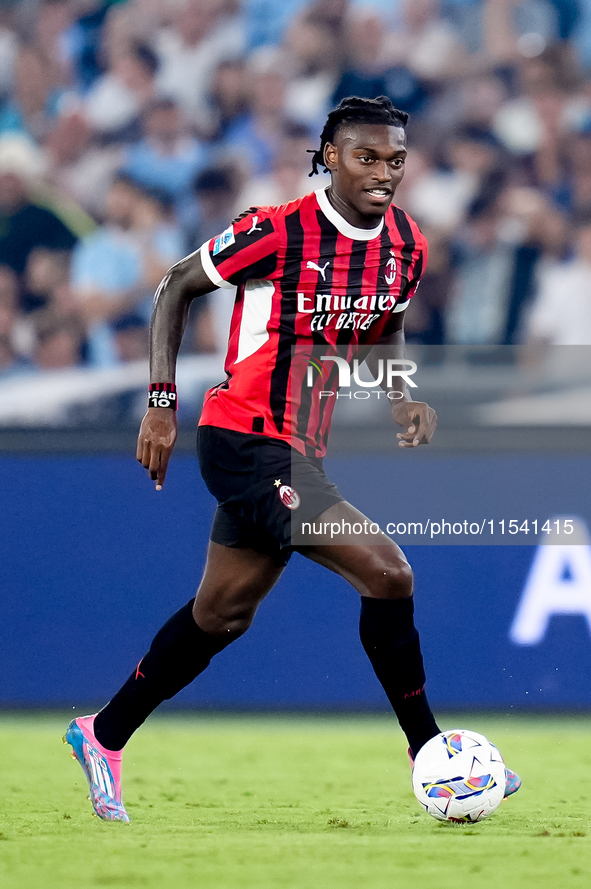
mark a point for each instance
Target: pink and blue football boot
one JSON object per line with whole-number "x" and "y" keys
{"x": 512, "y": 782}
{"x": 102, "y": 768}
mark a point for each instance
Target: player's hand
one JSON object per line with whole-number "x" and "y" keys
{"x": 419, "y": 419}
{"x": 156, "y": 441}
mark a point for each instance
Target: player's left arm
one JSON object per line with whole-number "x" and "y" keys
{"x": 418, "y": 419}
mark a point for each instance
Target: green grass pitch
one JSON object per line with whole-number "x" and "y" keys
{"x": 289, "y": 803}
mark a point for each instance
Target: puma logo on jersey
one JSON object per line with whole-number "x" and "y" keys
{"x": 254, "y": 227}
{"x": 317, "y": 268}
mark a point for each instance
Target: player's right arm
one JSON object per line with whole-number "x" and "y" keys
{"x": 248, "y": 247}
{"x": 181, "y": 285}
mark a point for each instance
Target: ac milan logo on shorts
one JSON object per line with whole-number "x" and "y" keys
{"x": 289, "y": 497}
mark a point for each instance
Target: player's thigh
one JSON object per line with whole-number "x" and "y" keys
{"x": 234, "y": 583}
{"x": 372, "y": 563}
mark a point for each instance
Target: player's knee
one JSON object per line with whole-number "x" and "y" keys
{"x": 228, "y": 622}
{"x": 392, "y": 580}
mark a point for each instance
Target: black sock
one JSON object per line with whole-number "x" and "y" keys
{"x": 180, "y": 651}
{"x": 391, "y": 642}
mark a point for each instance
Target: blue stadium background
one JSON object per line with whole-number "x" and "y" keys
{"x": 93, "y": 561}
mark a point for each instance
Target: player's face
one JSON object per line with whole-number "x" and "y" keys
{"x": 366, "y": 164}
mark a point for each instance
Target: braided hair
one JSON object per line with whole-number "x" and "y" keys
{"x": 356, "y": 110}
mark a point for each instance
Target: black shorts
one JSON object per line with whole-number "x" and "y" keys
{"x": 265, "y": 489}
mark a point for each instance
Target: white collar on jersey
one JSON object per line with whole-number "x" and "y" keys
{"x": 345, "y": 228}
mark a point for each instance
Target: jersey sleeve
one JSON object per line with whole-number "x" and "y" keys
{"x": 411, "y": 280}
{"x": 246, "y": 250}
{"x": 415, "y": 271}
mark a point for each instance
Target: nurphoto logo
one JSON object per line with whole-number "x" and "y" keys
{"x": 388, "y": 370}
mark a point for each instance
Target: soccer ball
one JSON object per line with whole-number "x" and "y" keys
{"x": 459, "y": 776}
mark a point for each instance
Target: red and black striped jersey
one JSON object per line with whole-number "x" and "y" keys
{"x": 305, "y": 278}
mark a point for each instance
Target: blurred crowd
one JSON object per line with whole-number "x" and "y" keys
{"x": 132, "y": 130}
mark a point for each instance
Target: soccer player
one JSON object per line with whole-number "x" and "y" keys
{"x": 336, "y": 269}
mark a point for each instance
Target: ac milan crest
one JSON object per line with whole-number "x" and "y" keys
{"x": 289, "y": 497}
{"x": 390, "y": 273}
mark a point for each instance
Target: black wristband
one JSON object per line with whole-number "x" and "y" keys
{"x": 162, "y": 395}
